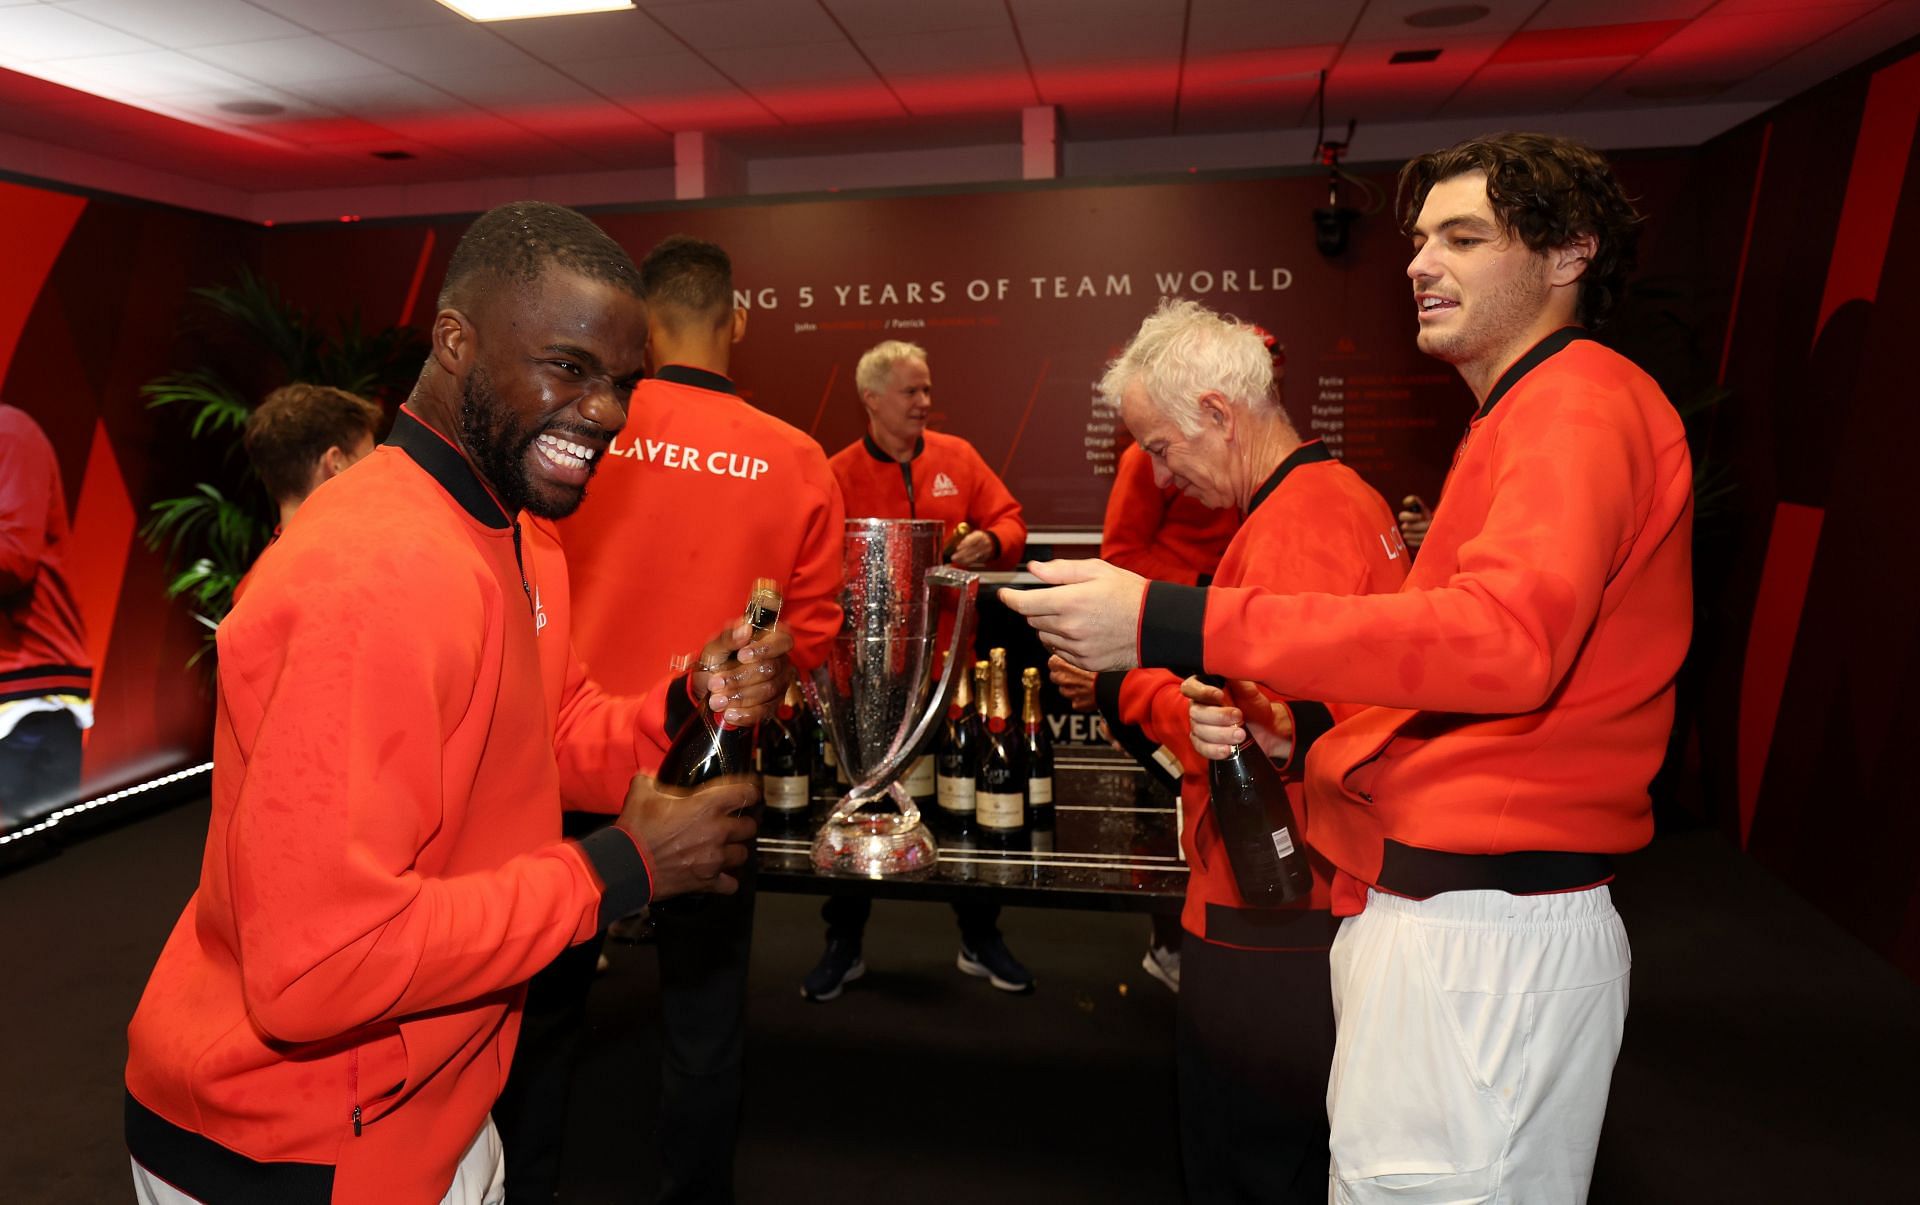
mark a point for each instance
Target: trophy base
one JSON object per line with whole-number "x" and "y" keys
{"x": 875, "y": 845}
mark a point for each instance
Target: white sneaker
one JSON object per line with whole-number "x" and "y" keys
{"x": 1164, "y": 965}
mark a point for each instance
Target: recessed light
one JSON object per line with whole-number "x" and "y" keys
{"x": 1435, "y": 18}
{"x": 515, "y": 10}
{"x": 1680, "y": 90}
{"x": 251, "y": 108}
{"x": 393, "y": 156}
{"x": 1414, "y": 56}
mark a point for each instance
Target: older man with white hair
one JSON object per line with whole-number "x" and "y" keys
{"x": 1255, "y": 1028}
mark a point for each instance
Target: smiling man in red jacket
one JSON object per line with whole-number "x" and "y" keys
{"x": 1521, "y": 688}
{"x": 400, "y": 718}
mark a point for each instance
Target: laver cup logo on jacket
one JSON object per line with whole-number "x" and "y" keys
{"x": 693, "y": 460}
{"x": 943, "y": 486}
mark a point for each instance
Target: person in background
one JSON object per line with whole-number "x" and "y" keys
{"x": 46, "y": 673}
{"x": 1521, "y": 691}
{"x": 1158, "y": 532}
{"x": 757, "y": 500}
{"x": 1254, "y": 1035}
{"x": 901, "y": 470}
{"x": 303, "y": 436}
{"x": 400, "y": 721}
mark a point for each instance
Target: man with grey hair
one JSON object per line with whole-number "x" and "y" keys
{"x": 901, "y": 470}
{"x": 1254, "y": 1034}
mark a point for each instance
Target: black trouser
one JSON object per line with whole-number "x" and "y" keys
{"x": 39, "y": 766}
{"x": 846, "y": 917}
{"x": 703, "y": 988}
{"x": 1253, "y": 1045}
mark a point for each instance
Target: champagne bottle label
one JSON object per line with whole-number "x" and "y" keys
{"x": 997, "y": 810}
{"x": 1040, "y": 791}
{"x": 1282, "y": 843}
{"x": 919, "y": 780}
{"x": 785, "y": 793}
{"x": 955, "y": 794}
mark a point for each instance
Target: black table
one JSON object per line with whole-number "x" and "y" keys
{"x": 1115, "y": 848}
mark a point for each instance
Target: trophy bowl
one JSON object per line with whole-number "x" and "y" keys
{"x": 877, "y": 694}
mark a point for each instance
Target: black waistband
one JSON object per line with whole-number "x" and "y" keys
{"x": 209, "y": 1172}
{"x": 1270, "y": 928}
{"x": 1423, "y": 873}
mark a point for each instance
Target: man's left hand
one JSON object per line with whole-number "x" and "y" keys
{"x": 974, "y": 550}
{"x": 1090, "y": 615}
{"x": 751, "y": 677}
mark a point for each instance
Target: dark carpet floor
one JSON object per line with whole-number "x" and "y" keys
{"x": 1769, "y": 1056}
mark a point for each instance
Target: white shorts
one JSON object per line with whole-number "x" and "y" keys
{"x": 1477, "y": 1036}
{"x": 481, "y": 1178}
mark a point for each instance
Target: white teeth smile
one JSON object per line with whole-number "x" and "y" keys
{"x": 566, "y": 452}
{"x": 1433, "y": 303}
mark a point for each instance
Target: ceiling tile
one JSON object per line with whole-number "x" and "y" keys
{"x": 955, "y": 52}
{"x": 1823, "y": 58}
{"x": 853, "y": 101}
{"x": 1234, "y": 26}
{"x": 1131, "y": 86}
{"x": 681, "y": 73}
{"x": 965, "y": 92}
{"x": 1629, "y": 40}
{"x": 757, "y": 67}
{"x": 1572, "y": 14}
{"x": 1098, "y": 12}
{"x": 1386, "y": 20}
{"x": 423, "y": 49}
{"x": 38, "y": 33}
{"x": 342, "y": 16}
{"x": 331, "y": 129}
{"x": 375, "y": 96}
{"x": 716, "y": 110}
{"x": 512, "y": 87}
{"x": 584, "y": 37}
{"x": 891, "y": 19}
{"x": 1717, "y": 48}
{"x": 1255, "y": 68}
{"x": 1522, "y": 89}
{"x": 182, "y": 23}
{"x": 729, "y": 24}
{"x": 1062, "y": 43}
{"x": 152, "y": 73}
{"x": 289, "y": 60}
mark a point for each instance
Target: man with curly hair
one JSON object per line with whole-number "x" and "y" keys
{"x": 1519, "y": 691}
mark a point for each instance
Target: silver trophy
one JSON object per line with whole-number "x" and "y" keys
{"x": 878, "y": 694}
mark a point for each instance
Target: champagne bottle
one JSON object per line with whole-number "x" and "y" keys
{"x": 955, "y": 759}
{"x": 706, "y": 746}
{"x": 820, "y": 772}
{"x": 1000, "y": 787}
{"x": 1038, "y": 750}
{"x": 785, "y": 759}
{"x": 961, "y": 531}
{"x": 1264, "y": 850}
{"x": 920, "y": 781}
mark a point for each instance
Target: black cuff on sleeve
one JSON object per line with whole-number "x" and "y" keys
{"x": 625, "y": 886}
{"x": 996, "y": 548}
{"x": 1106, "y": 694}
{"x": 1173, "y": 622}
{"x": 1311, "y": 721}
{"x": 1204, "y": 579}
{"x": 681, "y": 706}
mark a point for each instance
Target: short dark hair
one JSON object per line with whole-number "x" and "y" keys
{"x": 689, "y": 275}
{"x": 292, "y": 429}
{"x": 518, "y": 242}
{"x": 1549, "y": 191}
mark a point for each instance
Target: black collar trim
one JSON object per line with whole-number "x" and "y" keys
{"x": 443, "y": 462}
{"x": 699, "y": 378}
{"x": 1551, "y": 345}
{"x": 878, "y": 453}
{"x": 1307, "y": 453}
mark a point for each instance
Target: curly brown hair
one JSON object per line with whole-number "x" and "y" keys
{"x": 292, "y": 429}
{"x": 1549, "y": 191}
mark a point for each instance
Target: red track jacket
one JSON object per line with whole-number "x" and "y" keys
{"x": 43, "y": 648}
{"x": 399, "y": 716}
{"x": 1522, "y": 681}
{"x": 1314, "y": 526}
{"x": 707, "y": 492}
{"x": 945, "y": 480}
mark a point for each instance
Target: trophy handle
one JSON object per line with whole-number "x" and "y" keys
{"x": 948, "y": 590}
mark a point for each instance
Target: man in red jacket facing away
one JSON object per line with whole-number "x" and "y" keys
{"x": 1521, "y": 691}
{"x": 901, "y": 470}
{"x": 699, "y": 476}
{"x": 400, "y": 718}
{"x": 46, "y": 674}
{"x": 1255, "y": 1024}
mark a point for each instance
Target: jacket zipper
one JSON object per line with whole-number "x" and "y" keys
{"x": 353, "y": 1086}
{"x": 521, "y": 564}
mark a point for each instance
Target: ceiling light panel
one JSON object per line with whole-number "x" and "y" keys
{"x": 520, "y": 10}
